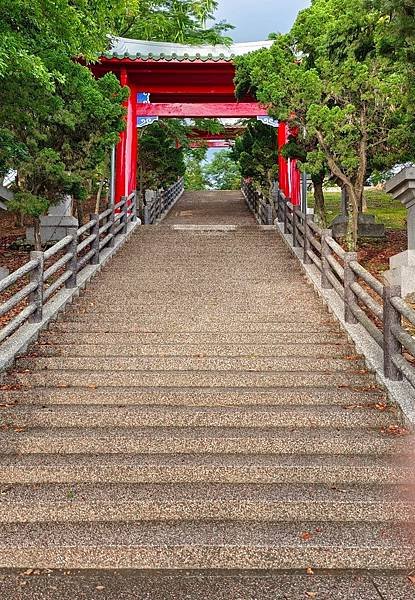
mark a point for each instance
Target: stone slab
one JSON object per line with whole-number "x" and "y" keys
{"x": 194, "y": 585}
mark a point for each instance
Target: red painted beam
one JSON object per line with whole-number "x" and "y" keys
{"x": 210, "y": 144}
{"x": 212, "y": 109}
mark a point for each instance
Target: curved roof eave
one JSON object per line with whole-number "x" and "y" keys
{"x": 144, "y": 50}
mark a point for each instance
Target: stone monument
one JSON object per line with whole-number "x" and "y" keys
{"x": 402, "y": 266}
{"x": 57, "y": 224}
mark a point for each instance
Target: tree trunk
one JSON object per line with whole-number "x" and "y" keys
{"x": 36, "y": 231}
{"x": 353, "y": 220}
{"x": 99, "y": 193}
{"x": 319, "y": 202}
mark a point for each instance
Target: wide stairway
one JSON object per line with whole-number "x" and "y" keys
{"x": 198, "y": 407}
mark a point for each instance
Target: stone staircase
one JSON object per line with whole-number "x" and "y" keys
{"x": 198, "y": 408}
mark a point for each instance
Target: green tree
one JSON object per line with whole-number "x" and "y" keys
{"x": 195, "y": 176}
{"x": 257, "y": 154}
{"x": 222, "y": 172}
{"x": 181, "y": 21}
{"x": 57, "y": 121}
{"x": 162, "y": 154}
{"x": 329, "y": 79}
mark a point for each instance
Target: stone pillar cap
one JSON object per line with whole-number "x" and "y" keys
{"x": 402, "y": 186}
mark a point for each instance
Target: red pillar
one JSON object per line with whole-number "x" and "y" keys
{"x": 126, "y": 151}
{"x": 284, "y": 181}
{"x": 289, "y": 174}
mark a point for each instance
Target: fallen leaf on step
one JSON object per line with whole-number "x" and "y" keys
{"x": 382, "y": 406}
{"x": 92, "y": 386}
{"x": 306, "y": 535}
{"x": 352, "y": 357}
{"x": 310, "y": 571}
{"x": 62, "y": 385}
{"x": 311, "y": 594}
{"x": 28, "y": 572}
{"x": 100, "y": 587}
{"x": 394, "y": 430}
{"x": 411, "y": 578}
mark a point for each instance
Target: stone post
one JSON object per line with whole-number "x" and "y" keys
{"x": 402, "y": 266}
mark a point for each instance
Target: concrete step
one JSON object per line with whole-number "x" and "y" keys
{"x": 93, "y": 379}
{"x": 205, "y": 416}
{"x": 156, "y": 325}
{"x": 213, "y": 440}
{"x": 195, "y": 350}
{"x": 181, "y": 338}
{"x": 220, "y": 315}
{"x": 186, "y": 397}
{"x": 187, "y": 363}
{"x": 57, "y": 503}
{"x": 199, "y": 544}
{"x": 205, "y": 468}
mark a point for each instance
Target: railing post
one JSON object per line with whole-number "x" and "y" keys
{"x": 280, "y": 208}
{"x": 124, "y": 216}
{"x": 112, "y": 228}
{"x": 295, "y": 241}
{"x": 306, "y": 259}
{"x": 36, "y": 297}
{"x": 73, "y": 263}
{"x": 269, "y": 214}
{"x": 134, "y": 207}
{"x": 285, "y": 214}
{"x": 349, "y": 295}
{"x": 391, "y": 319}
{"x": 146, "y": 215}
{"x": 325, "y": 265}
{"x": 95, "y": 244}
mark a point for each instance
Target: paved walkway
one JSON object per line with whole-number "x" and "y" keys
{"x": 198, "y": 407}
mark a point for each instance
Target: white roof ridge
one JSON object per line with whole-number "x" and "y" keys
{"x": 131, "y": 46}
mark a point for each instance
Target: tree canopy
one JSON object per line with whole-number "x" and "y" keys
{"x": 334, "y": 84}
{"x": 57, "y": 122}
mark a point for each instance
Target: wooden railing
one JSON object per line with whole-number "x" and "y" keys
{"x": 379, "y": 308}
{"x": 25, "y": 292}
{"x": 260, "y": 208}
{"x": 162, "y": 202}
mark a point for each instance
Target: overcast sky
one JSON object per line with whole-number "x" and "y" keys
{"x": 256, "y": 19}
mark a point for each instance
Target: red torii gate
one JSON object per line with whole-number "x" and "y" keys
{"x": 173, "y": 80}
{"x": 205, "y": 139}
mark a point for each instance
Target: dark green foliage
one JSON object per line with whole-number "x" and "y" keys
{"x": 181, "y": 21}
{"x": 257, "y": 154}
{"x": 161, "y": 162}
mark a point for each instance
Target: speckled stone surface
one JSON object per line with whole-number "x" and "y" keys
{"x": 188, "y": 468}
{"x": 204, "y": 416}
{"x": 355, "y": 398}
{"x": 168, "y": 545}
{"x": 198, "y": 408}
{"x": 232, "y": 502}
{"x": 194, "y": 585}
{"x": 201, "y": 440}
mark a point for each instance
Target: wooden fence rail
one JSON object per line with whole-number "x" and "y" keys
{"x": 379, "y": 308}
{"x": 27, "y": 290}
{"x": 156, "y": 208}
{"x": 260, "y": 208}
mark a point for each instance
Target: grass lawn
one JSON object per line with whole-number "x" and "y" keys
{"x": 387, "y": 210}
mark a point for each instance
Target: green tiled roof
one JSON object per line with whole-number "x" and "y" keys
{"x": 165, "y": 51}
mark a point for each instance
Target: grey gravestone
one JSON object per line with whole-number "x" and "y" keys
{"x": 402, "y": 266}
{"x": 57, "y": 224}
{"x": 367, "y": 227}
